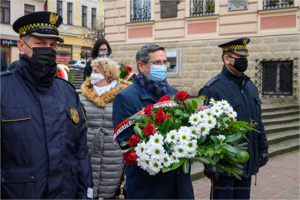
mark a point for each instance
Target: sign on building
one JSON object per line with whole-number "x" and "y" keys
{"x": 237, "y": 5}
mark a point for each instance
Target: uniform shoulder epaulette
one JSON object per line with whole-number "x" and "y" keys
{"x": 6, "y": 72}
{"x": 66, "y": 82}
{"x": 211, "y": 81}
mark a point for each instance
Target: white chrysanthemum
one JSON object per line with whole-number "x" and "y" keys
{"x": 166, "y": 160}
{"x": 196, "y": 133}
{"x": 151, "y": 172}
{"x": 174, "y": 158}
{"x": 156, "y": 151}
{"x": 231, "y": 113}
{"x": 191, "y": 146}
{"x": 140, "y": 150}
{"x": 184, "y": 136}
{"x": 191, "y": 154}
{"x": 208, "y": 112}
{"x": 222, "y": 124}
{"x": 202, "y": 116}
{"x": 217, "y": 111}
{"x": 180, "y": 150}
{"x": 155, "y": 165}
{"x": 221, "y": 137}
{"x": 225, "y": 105}
{"x": 156, "y": 139}
{"x": 204, "y": 129}
{"x": 214, "y": 102}
{"x": 184, "y": 129}
{"x": 144, "y": 164}
{"x": 211, "y": 122}
{"x": 172, "y": 137}
{"x": 194, "y": 119}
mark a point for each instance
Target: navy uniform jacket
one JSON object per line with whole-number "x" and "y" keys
{"x": 139, "y": 184}
{"x": 242, "y": 95}
{"x": 44, "y": 153}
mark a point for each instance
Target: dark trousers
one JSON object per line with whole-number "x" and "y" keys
{"x": 230, "y": 188}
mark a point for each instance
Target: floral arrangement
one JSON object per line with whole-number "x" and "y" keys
{"x": 126, "y": 73}
{"x": 170, "y": 134}
{"x": 63, "y": 71}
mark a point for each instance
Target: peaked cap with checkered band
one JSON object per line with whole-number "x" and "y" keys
{"x": 236, "y": 46}
{"x": 39, "y": 24}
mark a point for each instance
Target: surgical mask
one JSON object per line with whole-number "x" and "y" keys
{"x": 158, "y": 73}
{"x": 96, "y": 77}
{"x": 44, "y": 55}
{"x": 102, "y": 53}
{"x": 240, "y": 64}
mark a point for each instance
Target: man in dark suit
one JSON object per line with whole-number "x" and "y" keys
{"x": 148, "y": 86}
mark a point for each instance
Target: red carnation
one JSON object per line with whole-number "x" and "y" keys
{"x": 58, "y": 74}
{"x": 134, "y": 75}
{"x": 160, "y": 116}
{"x": 182, "y": 95}
{"x": 149, "y": 129}
{"x": 201, "y": 107}
{"x": 129, "y": 68}
{"x": 130, "y": 157}
{"x": 164, "y": 98}
{"x": 148, "y": 110}
{"x": 134, "y": 140}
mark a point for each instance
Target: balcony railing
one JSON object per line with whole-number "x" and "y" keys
{"x": 275, "y": 4}
{"x": 202, "y": 7}
{"x": 140, "y": 10}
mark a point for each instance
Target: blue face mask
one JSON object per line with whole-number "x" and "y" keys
{"x": 158, "y": 73}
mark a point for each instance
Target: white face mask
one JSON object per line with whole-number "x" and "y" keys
{"x": 96, "y": 77}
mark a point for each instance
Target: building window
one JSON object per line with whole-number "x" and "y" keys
{"x": 277, "y": 78}
{"x": 69, "y": 13}
{"x": 275, "y": 4}
{"x": 94, "y": 23}
{"x": 84, "y": 16}
{"x": 5, "y": 12}
{"x": 28, "y": 9}
{"x": 140, "y": 10}
{"x": 59, "y": 7}
{"x": 202, "y": 8}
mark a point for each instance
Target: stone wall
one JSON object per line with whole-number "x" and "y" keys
{"x": 201, "y": 60}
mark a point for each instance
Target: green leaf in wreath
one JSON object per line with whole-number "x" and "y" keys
{"x": 200, "y": 101}
{"x": 189, "y": 104}
{"x": 201, "y": 140}
{"x": 124, "y": 150}
{"x": 215, "y": 139}
{"x": 230, "y": 148}
{"x": 165, "y": 126}
{"x": 137, "y": 118}
{"x": 209, "y": 151}
{"x": 217, "y": 147}
{"x": 233, "y": 138}
{"x": 203, "y": 160}
{"x": 139, "y": 132}
{"x": 216, "y": 157}
{"x": 186, "y": 166}
{"x": 229, "y": 158}
{"x": 194, "y": 104}
{"x": 124, "y": 143}
{"x": 173, "y": 166}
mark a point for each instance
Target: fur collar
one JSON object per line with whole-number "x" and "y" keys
{"x": 107, "y": 97}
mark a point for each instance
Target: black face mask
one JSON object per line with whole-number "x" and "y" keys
{"x": 44, "y": 55}
{"x": 240, "y": 64}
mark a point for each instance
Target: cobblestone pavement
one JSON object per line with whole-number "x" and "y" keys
{"x": 279, "y": 179}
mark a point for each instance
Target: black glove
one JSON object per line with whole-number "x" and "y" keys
{"x": 263, "y": 159}
{"x": 211, "y": 172}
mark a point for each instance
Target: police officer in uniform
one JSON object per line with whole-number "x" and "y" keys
{"x": 235, "y": 87}
{"x": 44, "y": 153}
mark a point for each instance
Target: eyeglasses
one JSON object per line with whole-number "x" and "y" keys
{"x": 157, "y": 62}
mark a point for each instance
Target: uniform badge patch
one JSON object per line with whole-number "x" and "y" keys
{"x": 204, "y": 99}
{"x": 74, "y": 115}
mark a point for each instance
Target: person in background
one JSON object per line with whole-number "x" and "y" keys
{"x": 44, "y": 152}
{"x": 235, "y": 87}
{"x": 3, "y": 62}
{"x": 101, "y": 49}
{"x": 98, "y": 92}
{"x": 147, "y": 88}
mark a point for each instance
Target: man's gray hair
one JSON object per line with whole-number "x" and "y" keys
{"x": 143, "y": 53}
